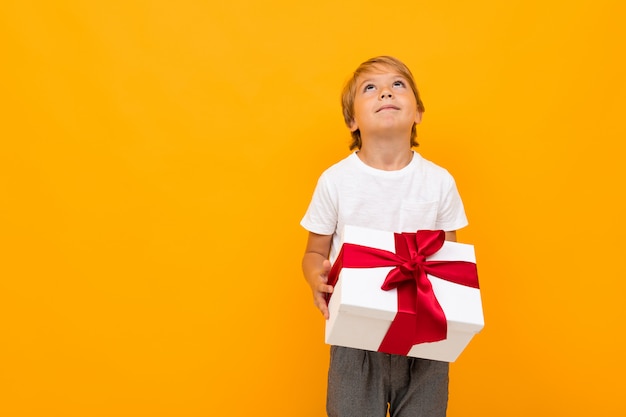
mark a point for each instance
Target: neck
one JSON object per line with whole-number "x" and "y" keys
{"x": 386, "y": 158}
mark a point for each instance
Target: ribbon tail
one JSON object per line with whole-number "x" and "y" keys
{"x": 431, "y": 323}
{"x": 420, "y": 318}
{"x": 399, "y": 337}
{"x": 398, "y": 340}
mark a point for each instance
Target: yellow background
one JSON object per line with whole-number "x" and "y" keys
{"x": 157, "y": 157}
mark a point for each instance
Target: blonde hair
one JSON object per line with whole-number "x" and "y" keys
{"x": 349, "y": 92}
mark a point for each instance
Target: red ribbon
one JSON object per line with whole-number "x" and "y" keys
{"x": 420, "y": 318}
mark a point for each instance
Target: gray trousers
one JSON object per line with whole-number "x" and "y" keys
{"x": 363, "y": 384}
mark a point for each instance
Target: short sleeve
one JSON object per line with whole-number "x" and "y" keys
{"x": 321, "y": 216}
{"x": 451, "y": 213}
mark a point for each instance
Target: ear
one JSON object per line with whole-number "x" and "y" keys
{"x": 353, "y": 126}
{"x": 418, "y": 117}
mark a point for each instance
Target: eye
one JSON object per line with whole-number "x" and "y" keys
{"x": 369, "y": 87}
{"x": 399, "y": 83}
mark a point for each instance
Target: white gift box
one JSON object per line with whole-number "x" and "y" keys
{"x": 361, "y": 312}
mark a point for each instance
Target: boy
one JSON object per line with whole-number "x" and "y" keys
{"x": 383, "y": 185}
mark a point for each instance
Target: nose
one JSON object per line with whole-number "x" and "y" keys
{"x": 385, "y": 93}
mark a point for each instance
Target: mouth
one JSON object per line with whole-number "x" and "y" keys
{"x": 387, "y": 107}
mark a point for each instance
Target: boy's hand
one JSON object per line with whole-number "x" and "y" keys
{"x": 321, "y": 288}
{"x": 316, "y": 266}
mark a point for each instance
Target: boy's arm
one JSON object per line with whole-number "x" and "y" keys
{"x": 451, "y": 236}
{"x": 316, "y": 266}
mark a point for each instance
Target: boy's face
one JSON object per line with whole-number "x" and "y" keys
{"x": 384, "y": 104}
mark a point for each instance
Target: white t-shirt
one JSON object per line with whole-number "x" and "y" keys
{"x": 420, "y": 196}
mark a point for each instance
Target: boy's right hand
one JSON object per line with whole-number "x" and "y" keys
{"x": 316, "y": 266}
{"x": 321, "y": 288}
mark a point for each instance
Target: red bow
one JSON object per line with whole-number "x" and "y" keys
{"x": 420, "y": 318}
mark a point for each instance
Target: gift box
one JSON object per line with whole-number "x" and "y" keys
{"x": 411, "y": 294}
